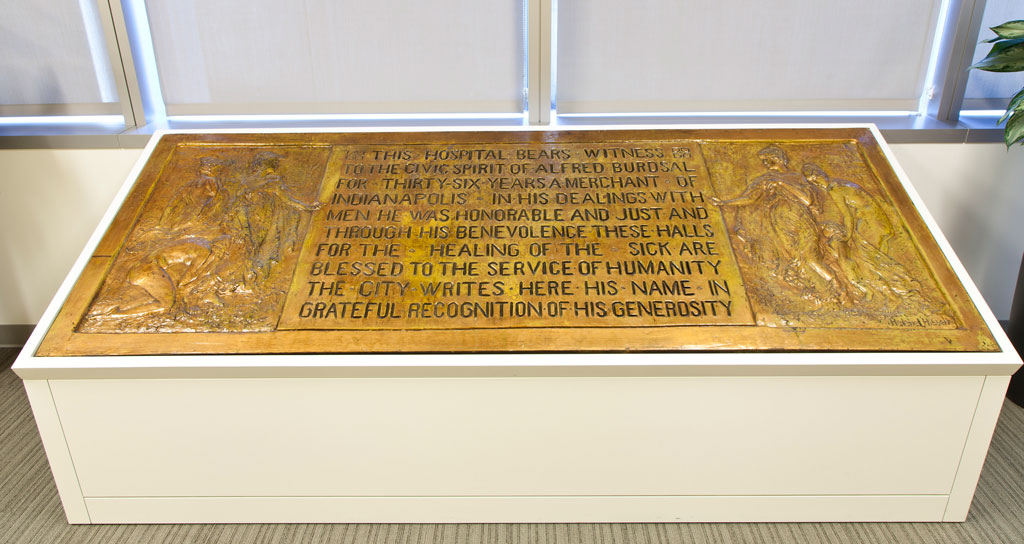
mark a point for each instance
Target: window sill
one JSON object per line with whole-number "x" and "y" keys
{"x": 896, "y": 130}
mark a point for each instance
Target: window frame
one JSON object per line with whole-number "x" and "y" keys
{"x": 939, "y": 119}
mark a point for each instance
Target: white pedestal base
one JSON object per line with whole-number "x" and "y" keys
{"x": 783, "y": 448}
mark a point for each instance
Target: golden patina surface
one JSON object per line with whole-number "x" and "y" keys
{"x": 625, "y": 240}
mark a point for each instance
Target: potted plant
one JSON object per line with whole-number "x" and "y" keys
{"x": 1007, "y": 55}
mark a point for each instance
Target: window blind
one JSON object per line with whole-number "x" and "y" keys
{"x": 742, "y": 55}
{"x": 346, "y": 56}
{"x": 53, "y": 59}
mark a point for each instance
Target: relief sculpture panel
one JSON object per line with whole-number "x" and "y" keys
{"x": 817, "y": 248}
{"x": 566, "y": 241}
{"x": 215, "y": 247}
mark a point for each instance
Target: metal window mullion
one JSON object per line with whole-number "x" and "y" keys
{"x": 123, "y": 65}
{"x": 538, "y": 57}
{"x": 955, "y": 56}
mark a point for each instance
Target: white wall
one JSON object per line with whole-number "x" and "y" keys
{"x": 976, "y": 194}
{"x": 50, "y": 201}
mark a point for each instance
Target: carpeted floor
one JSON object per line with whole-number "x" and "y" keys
{"x": 30, "y": 510}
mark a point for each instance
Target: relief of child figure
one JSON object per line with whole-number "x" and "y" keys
{"x": 857, "y": 235}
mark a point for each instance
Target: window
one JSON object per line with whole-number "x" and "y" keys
{"x": 742, "y": 56}
{"x": 160, "y": 61}
{"x": 990, "y": 90}
{"x": 350, "y": 56}
{"x": 54, "y": 60}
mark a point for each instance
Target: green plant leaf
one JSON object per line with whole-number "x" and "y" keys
{"x": 1007, "y": 56}
{"x": 1014, "y": 128}
{"x": 1010, "y": 30}
{"x": 1003, "y": 44}
{"x": 1000, "y": 44}
{"x": 1016, "y": 104}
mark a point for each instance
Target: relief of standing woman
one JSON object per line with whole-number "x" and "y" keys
{"x": 267, "y": 215}
{"x": 779, "y": 231}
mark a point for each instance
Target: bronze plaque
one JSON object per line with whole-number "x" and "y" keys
{"x": 517, "y": 241}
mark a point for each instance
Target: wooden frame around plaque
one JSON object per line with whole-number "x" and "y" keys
{"x": 654, "y": 240}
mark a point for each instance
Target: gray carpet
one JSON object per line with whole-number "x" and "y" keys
{"x": 30, "y": 510}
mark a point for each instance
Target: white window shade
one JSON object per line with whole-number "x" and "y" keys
{"x": 347, "y": 56}
{"x": 736, "y": 55}
{"x": 992, "y": 90}
{"x": 53, "y": 59}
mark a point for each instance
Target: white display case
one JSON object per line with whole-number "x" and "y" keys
{"x": 517, "y": 437}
